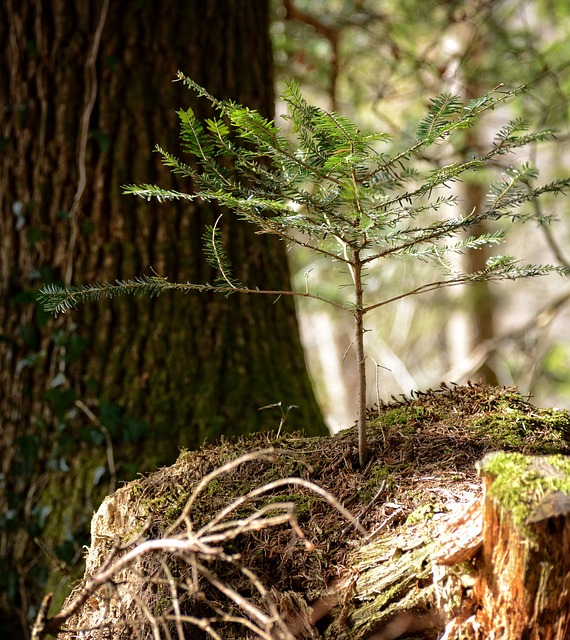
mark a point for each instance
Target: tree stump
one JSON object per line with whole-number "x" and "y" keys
{"x": 521, "y": 585}
{"x": 446, "y": 554}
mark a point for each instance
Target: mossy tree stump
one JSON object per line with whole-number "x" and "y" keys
{"x": 524, "y": 583}
{"x": 522, "y": 570}
{"x": 446, "y": 553}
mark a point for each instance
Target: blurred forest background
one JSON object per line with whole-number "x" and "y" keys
{"x": 380, "y": 62}
{"x": 116, "y": 388}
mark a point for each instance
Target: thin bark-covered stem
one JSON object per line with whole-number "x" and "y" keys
{"x": 360, "y": 359}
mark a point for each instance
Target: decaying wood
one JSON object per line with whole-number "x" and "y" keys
{"x": 462, "y": 536}
{"x": 449, "y": 554}
{"x": 523, "y": 583}
{"x": 505, "y": 571}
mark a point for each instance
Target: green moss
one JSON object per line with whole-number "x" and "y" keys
{"x": 380, "y": 475}
{"x": 406, "y": 415}
{"x": 481, "y": 418}
{"x": 167, "y": 505}
{"x": 423, "y": 513}
{"x": 221, "y": 490}
{"x": 303, "y": 504}
{"x": 540, "y": 430}
{"x": 517, "y": 485}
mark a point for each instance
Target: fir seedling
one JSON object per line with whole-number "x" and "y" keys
{"x": 343, "y": 193}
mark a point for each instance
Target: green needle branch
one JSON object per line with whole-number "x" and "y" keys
{"x": 354, "y": 197}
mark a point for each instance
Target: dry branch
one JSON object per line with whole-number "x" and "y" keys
{"x": 193, "y": 547}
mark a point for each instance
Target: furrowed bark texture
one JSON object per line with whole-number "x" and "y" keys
{"x": 86, "y": 91}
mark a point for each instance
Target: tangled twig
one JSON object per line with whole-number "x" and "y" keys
{"x": 192, "y": 550}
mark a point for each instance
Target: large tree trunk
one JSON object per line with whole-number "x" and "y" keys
{"x": 86, "y": 92}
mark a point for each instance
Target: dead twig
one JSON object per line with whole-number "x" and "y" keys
{"x": 194, "y": 547}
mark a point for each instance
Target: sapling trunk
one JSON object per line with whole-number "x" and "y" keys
{"x": 361, "y": 367}
{"x": 360, "y": 359}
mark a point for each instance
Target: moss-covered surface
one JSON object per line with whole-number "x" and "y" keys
{"x": 422, "y": 466}
{"x": 520, "y": 484}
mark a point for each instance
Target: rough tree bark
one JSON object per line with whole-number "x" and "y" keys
{"x": 86, "y": 92}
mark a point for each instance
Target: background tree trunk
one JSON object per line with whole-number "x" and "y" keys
{"x": 479, "y": 300}
{"x": 87, "y": 92}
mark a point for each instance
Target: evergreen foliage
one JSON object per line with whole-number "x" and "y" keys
{"x": 349, "y": 195}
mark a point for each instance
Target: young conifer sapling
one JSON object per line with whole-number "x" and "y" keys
{"x": 354, "y": 197}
